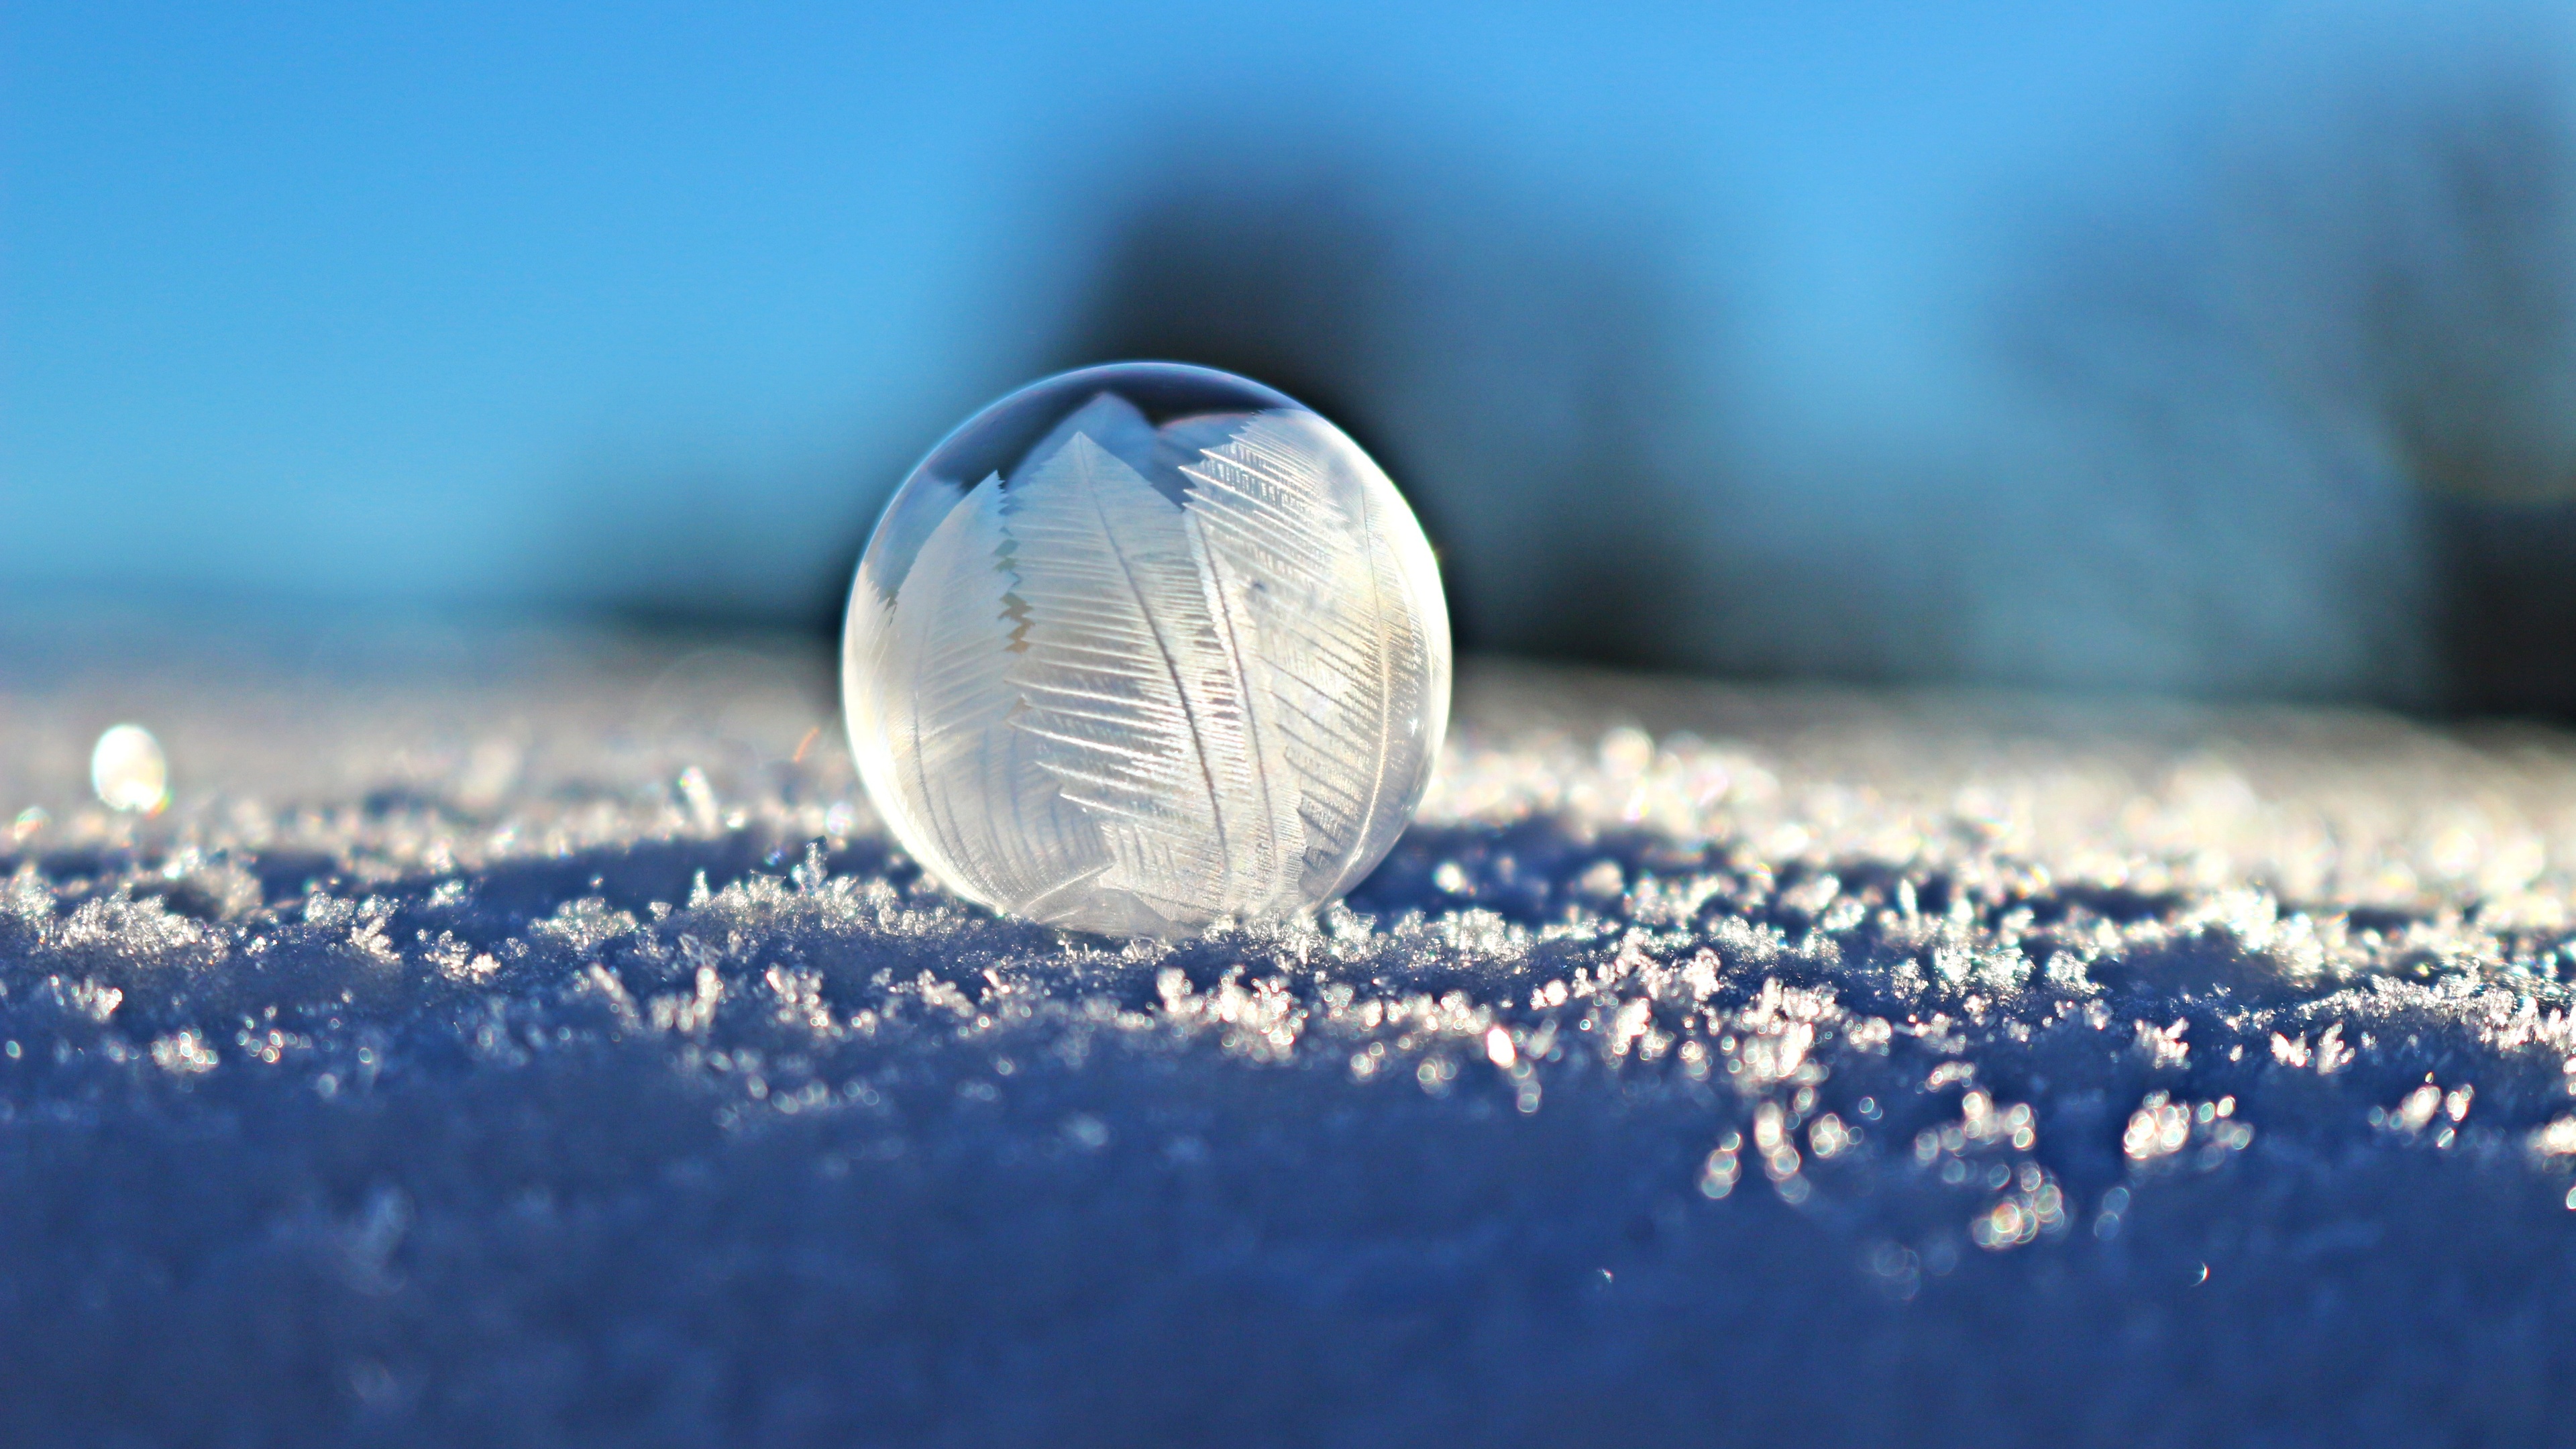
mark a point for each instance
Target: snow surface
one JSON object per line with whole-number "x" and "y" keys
{"x": 530, "y": 1040}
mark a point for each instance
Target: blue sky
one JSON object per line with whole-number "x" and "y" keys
{"x": 486, "y": 305}
{"x": 331, "y": 299}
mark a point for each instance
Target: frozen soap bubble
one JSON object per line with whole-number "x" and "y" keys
{"x": 1142, "y": 646}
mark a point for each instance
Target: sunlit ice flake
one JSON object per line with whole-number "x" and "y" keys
{"x": 129, "y": 771}
{"x": 1180, "y": 655}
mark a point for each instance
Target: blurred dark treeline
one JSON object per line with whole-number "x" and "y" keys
{"x": 2301, "y": 424}
{"x": 1523, "y": 380}
{"x": 2223, "y": 350}
{"x": 2321, "y": 411}
{"x": 2296, "y": 419}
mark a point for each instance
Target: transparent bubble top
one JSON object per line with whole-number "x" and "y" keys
{"x": 1144, "y": 646}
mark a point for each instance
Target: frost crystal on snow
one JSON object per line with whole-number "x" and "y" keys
{"x": 2078, "y": 1073}
{"x": 1183, "y": 658}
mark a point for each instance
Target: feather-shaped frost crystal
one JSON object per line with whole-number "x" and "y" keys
{"x": 1143, "y": 646}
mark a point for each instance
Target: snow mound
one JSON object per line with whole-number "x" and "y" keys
{"x": 534, "y": 1041}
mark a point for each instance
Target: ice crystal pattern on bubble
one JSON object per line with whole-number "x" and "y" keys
{"x": 1105, "y": 704}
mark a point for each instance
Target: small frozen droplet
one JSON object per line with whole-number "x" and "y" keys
{"x": 1143, "y": 646}
{"x": 128, "y": 770}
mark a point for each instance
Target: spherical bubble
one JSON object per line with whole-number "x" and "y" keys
{"x": 1143, "y": 646}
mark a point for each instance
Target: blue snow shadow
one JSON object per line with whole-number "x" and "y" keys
{"x": 576, "y": 1150}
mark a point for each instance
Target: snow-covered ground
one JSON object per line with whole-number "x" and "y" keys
{"x": 530, "y": 1040}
